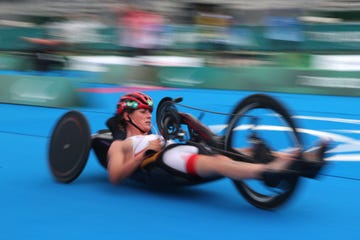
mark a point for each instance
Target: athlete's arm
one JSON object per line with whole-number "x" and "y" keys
{"x": 122, "y": 161}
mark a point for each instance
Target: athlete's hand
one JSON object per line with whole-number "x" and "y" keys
{"x": 155, "y": 145}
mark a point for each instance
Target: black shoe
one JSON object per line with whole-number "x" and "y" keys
{"x": 275, "y": 179}
{"x": 313, "y": 161}
{"x": 308, "y": 167}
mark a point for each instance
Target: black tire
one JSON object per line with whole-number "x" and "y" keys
{"x": 69, "y": 147}
{"x": 167, "y": 119}
{"x": 255, "y": 191}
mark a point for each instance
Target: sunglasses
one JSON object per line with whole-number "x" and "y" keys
{"x": 136, "y": 105}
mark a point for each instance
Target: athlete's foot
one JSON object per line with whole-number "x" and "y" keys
{"x": 313, "y": 160}
{"x": 279, "y": 168}
{"x": 282, "y": 160}
{"x": 308, "y": 164}
{"x": 317, "y": 152}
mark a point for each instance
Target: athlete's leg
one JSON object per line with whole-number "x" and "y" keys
{"x": 187, "y": 159}
{"x": 310, "y": 165}
{"x": 221, "y": 165}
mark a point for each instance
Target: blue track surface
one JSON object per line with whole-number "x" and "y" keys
{"x": 34, "y": 206}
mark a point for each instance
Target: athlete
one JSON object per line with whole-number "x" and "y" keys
{"x": 134, "y": 140}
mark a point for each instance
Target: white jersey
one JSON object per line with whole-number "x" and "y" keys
{"x": 177, "y": 157}
{"x": 140, "y": 142}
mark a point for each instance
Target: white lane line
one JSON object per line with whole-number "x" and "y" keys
{"x": 339, "y": 120}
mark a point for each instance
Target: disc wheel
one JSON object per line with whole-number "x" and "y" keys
{"x": 261, "y": 117}
{"x": 69, "y": 146}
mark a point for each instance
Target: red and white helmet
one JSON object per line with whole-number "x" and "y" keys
{"x": 134, "y": 100}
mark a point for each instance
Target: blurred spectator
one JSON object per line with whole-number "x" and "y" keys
{"x": 44, "y": 56}
{"x": 140, "y": 30}
{"x": 213, "y": 25}
{"x": 77, "y": 28}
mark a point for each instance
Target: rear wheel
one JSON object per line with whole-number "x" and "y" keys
{"x": 69, "y": 147}
{"x": 262, "y": 119}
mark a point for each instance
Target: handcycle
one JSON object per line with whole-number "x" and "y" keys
{"x": 259, "y": 122}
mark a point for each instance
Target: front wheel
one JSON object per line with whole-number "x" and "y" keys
{"x": 262, "y": 118}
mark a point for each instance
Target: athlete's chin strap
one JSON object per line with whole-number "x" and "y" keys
{"x": 132, "y": 123}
